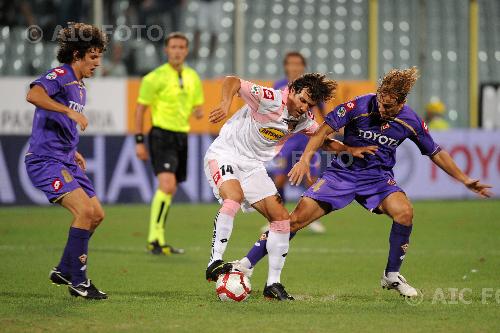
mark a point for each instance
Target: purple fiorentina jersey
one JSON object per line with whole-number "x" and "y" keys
{"x": 280, "y": 84}
{"x": 364, "y": 127}
{"x": 54, "y": 134}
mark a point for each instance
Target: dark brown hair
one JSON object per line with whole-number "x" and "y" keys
{"x": 79, "y": 38}
{"x": 178, "y": 35}
{"x": 294, "y": 54}
{"x": 398, "y": 83}
{"x": 321, "y": 89}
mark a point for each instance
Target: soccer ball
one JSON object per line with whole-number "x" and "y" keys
{"x": 233, "y": 287}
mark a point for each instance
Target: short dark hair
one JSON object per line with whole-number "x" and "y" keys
{"x": 321, "y": 89}
{"x": 79, "y": 38}
{"x": 178, "y": 35}
{"x": 294, "y": 54}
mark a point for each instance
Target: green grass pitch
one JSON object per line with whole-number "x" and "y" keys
{"x": 454, "y": 258}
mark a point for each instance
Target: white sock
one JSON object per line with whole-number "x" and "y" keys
{"x": 223, "y": 226}
{"x": 277, "y": 248}
{"x": 245, "y": 262}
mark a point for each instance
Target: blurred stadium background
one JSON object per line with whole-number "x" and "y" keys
{"x": 455, "y": 44}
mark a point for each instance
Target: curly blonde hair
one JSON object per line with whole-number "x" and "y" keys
{"x": 398, "y": 83}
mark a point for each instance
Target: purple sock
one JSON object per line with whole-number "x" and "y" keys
{"x": 398, "y": 244}
{"x": 281, "y": 192}
{"x": 65, "y": 263}
{"x": 259, "y": 251}
{"x": 78, "y": 244}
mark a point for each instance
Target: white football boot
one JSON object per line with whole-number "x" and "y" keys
{"x": 239, "y": 266}
{"x": 317, "y": 227}
{"x": 396, "y": 281}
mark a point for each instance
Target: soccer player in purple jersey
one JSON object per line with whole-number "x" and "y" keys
{"x": 294, "y": 65}
{"x": 382, "y": 119}
{"x": 53, "y": 163}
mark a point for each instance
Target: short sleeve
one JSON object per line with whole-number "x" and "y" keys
{"x": 198, "y": 97}
{"x": 148, "y": 89}
{"x": 311, "y": 125}
{"x": 51, "y": 82}
{"x": 340, "y": 115}
{"x": 424, "y": 140}
{"x": 251, "y": 93}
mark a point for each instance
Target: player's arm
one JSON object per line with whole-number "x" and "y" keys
{"x": 302, "y": 167}
{"x": 198, "y": 99}
{"x": 443, "y": 160}
{"x": 80, "y": 160}
{"x": 338, "y": 147}
{"x": 39, "y": 98}
{"x": 198, "y": 112}
{"x": 140, "y": 147}
{"x": 230, "y": 86}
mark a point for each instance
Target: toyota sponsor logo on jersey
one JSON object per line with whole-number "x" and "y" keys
{"x": 272, "y": 134}
{"x": 378, "y": 137}
{"x": 76, "y": 106}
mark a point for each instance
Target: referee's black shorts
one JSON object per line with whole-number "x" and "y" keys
{"x": 169, "y": 152}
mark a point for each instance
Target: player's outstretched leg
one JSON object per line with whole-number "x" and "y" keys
{"x": 258, "y": 251}
{"x": 397, "y": 206}
{"x": 307, "y": 210}
{"x": 223, "y": 226}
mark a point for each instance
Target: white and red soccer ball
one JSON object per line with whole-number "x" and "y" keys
{"x": 233, "y": 287}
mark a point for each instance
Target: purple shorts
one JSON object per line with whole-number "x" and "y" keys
{"x": 56, "y": 178}
{"x": 339, "y": 189}
{"x": 290, "y": 154}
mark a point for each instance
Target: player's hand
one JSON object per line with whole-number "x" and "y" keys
{"x": 80, "y": 161}
{"x": 360, "y": 151}
{"x": 141, "y": 151}
{"x": 299, "y": 170}
{"x": 198, "y": 113}
{"x": 219, "y": 113}
{"x": 79, "y": 118}
{"x": 475, "y": 186}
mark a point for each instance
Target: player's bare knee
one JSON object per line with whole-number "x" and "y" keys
{"x": 98, "y": 217}
{"x": 235, "y": 196}
{"x": 168, "y": 188}
{"x": 85, "y": 213}
{"x": 405, "y": 215}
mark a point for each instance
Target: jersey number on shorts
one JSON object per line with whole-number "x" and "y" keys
{"x": 226, "y": 168}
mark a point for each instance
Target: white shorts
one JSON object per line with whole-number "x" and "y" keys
{"x": 252, "y": 175}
